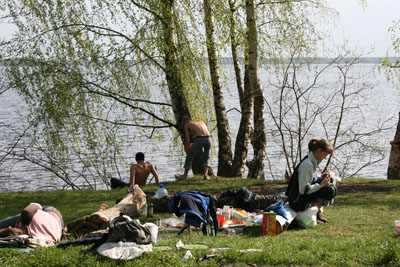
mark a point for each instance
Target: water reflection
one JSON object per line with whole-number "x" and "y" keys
{"x": 377, "y": 105}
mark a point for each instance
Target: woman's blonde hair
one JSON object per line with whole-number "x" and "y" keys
{"x": 323, "y": 144}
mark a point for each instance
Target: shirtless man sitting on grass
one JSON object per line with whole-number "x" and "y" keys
{"x": 141, "y": 170}
{"x": 138, "y": 173}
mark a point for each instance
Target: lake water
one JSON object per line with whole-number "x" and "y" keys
{"x": 380, "y": 103}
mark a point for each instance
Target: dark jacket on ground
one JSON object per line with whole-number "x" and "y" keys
{"x": 197, "y": 205}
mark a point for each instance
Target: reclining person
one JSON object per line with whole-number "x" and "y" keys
{"x": 41, "y": 223}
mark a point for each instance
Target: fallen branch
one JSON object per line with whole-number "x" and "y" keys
{"x": 130, "y": 205}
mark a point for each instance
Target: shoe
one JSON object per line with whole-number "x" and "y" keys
{"x": 179, "y": 177}
{"x": 321, "y": 220}
{"x": 205, "y": 177}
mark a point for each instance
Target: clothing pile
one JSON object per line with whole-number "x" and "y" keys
{"x": 199, "y": 209}
{"x": 128, "y": 239}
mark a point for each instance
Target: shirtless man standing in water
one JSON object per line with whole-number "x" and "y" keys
{"x": 202, "y": 141}
{"x": 141, "y": 170}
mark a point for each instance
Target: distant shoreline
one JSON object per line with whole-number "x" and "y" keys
{"x": 319, "y": 60}
{"x": 5, "y": 62}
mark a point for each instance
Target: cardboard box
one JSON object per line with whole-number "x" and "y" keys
{"x": 268, "y": 226}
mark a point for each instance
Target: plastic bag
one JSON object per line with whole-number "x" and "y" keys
{"x": 123, "y": 250}
{"x": 153, "y": 231}
{"x": 307, "y": 218}
{"x": 173, "y": 222}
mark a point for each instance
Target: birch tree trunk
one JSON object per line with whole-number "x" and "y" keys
{"x": 393, "y": 172}
{"x": 224, "y": 138}
{"x": 235, "y": 58}
{"x": 256, "y": 166}
{"x": 173, "y": 76}
{"x": 245, "y": 92}
{"x": 243, "y": 136}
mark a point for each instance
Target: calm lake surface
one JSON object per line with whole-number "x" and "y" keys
{"x": 378, "y": 104}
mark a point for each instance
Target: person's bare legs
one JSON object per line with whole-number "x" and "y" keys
{"x": 185, "y": 174}
{"x": 205, "y": 177}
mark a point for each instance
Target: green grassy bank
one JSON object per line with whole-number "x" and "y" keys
{"x": 360, "y": 231}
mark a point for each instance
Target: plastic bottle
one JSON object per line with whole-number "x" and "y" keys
{"x": 161, "y": 192}
{"x": 145, "y": 208}
{"x": 227, "y": 212}
{"x": 210, "y": 227}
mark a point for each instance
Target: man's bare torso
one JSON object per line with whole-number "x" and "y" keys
{"x": 141, "y": 172}
{"x": 199, "y": 128}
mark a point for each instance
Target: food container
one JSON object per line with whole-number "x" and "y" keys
{"x": 221, "y": 221}
{"x": 268, "y": 226}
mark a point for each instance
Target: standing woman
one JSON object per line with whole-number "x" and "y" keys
{"x": 302, "y": 191}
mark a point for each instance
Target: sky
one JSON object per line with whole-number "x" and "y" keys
{"x": 366, "y": 28}
{"x": 363, "y": 28}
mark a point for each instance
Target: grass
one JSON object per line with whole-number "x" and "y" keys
{"x": 360, "y": 231}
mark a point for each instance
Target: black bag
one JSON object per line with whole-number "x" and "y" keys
{"x": 242, "y": 198}
{"x": 246, "y": 196}
{"x": 125, "y": 230}
{"x": 299, "y": 204}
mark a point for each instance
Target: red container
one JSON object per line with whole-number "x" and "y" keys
{"x": 221, "y": 221}
{"x": 269, "y": 224}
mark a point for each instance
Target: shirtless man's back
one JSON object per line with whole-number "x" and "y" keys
{"x": 141, "y": 170}
{"x": 199, "y": 128}
{"x": 202, "y": 142}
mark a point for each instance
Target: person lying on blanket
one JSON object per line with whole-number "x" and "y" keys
{"x": 42, "y": 223}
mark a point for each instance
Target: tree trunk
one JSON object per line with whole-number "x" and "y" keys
{"x": 243, "y": 136}
{"x": 235, "y": 58}
{"x": 224, "y": 138}
{"x": 256, "y": 166}
{"x": 172, "y": 73}
{"x": 393, "y": 172}
{"x": 173, "y": 76}
{"x": 130, "y": 205}
{"x": 245, "y": 97}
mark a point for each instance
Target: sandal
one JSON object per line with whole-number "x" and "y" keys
{"x": 180, "y": 177}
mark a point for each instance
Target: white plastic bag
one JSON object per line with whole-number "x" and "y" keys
{"x": 187, "y": 255}
{"x": 123, "y": 250}
{"x": 153, "y": 231}
{"x": 307, "y": 218}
